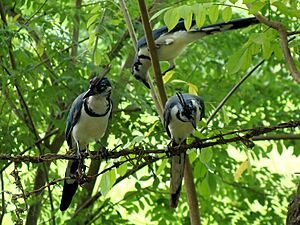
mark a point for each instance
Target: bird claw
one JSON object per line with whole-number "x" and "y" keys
{"x": 104, "y": 153}
{"x": 168, "y": 151}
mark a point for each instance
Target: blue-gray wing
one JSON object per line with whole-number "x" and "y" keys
{"x": 73, "y": 118}
{"x": 158, "y": 32}
{"x": 167, "y": 112}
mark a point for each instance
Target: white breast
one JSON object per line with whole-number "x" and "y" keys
{"x": 90, "y": 128}
{"x": 179, "y": 130}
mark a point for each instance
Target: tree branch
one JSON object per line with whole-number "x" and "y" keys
{"x": 153, "y": 53}
{"x": 284, "y": 44}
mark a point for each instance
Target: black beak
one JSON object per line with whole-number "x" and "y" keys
{"x": 193, "y": 122}
{"x": 90, "y": 92}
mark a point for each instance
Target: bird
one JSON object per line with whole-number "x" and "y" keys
{"x": 180, "y": 117}
{"x": 87, "y": 121}
{"x": 170, "y": 44}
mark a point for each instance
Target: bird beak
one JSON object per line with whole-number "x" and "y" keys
{"x": 90, "y": 92}
{"x": 193, "y": 122}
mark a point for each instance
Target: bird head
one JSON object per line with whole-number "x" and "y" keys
{"x": 99, "y": 86}
{"x": 188, "y": 110}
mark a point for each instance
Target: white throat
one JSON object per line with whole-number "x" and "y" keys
{"x": 98, "y": 103}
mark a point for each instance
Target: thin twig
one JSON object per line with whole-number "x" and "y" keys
{"x": 230, "y": 93}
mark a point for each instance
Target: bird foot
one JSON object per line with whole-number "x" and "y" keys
{"x": 168, "y": 151}
{"x": 104, "y": 153}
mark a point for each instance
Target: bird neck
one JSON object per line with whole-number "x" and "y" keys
{"x": 98, "y": 105}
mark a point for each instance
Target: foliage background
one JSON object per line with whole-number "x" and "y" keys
{"x": 50, "y": 70}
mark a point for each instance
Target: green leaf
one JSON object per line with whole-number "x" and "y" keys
{"x": 211, "y": 181}
{"x": 248, "y": 1}
{"x": 227, "y": 14}
{"x": 200, "y": 14}
{"x": 92, "y": 39}
{"x": 107, "y": 181}
{"x": 186, "y": 13}
{"x": 267, "y": 50}
{"x": 91, "y": 20}
{"x": 151, "y": 129}
{"x": 122, "y": 169}
{"x": 157, "y": 14}
{"x": 162, "y": 166}
{"x": 200, "y": 170}
{"x": 171, "y": 18}
{"x": 234, "y": 62}
{"x": 255, "y": 7}
{"x": 168, "y": 76}
{"x": 204, "y": 188}
{"x": 286, "y": 11}
{"x": 246, "y": 59}
{"x": 277, "y": 51}
{"x": 97, "y": 57}
{"x": 233, "y": 1}
{"x": 40, "y": 48}
{"x": 193, "y": 89}
{"x": 192, "y": 155}
{"x": 213, "y": 13}
{"x": 206, "y": 155}
{"x": 241, "y": 169}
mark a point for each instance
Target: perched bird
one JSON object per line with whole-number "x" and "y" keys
{"x": 87, "y": 121}
{"x": 181, "y": 114}
{"x": 170, "y": 44}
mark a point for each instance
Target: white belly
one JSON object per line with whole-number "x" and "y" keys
{"x": 89, "y": 128}
{"x": 180, "y": 130}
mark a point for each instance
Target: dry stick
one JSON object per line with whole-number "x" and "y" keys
{"x": 133, "y": 37}
{"x": 188, "y": 176}
{"x": 236, "y": 86}
{"x": 249, "y": 134}
{"x": 284, "y": 44}
{"x": 152, "y": 50}
{"x": 129, "y": 24}
{"x": 148, "y": 155}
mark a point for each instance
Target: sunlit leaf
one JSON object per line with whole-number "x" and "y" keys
{"x": 186, "y": 13}
{"x": 200, "y": 14}
{"x": 91, "y": 20}
{"x": 227, "y": 13}
{"x": 206, "y": 155}
{"x": 193, "y": 89}
{"x": 171, "y": 18}
{"x": 168, "y": 76}
{"x": 151, "y": 129}
{"x": 157, "y": 14}
{"x": 162, "y": 166}
{"x": 255, "y": 7}
{"x": 242, "y": 168}
{"x": 213, "y": 13}
{"x": 97, "y": 57}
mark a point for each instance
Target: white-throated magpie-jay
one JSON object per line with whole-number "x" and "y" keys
{"x": 170, "y": 44}
{"x": 181, "y": 114}
{"x": 87, "y": 121}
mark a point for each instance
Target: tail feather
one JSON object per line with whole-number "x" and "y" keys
{"x": 70, "y": 186}
{"x": 230, "y": 25}
{"x": 177, "y": 172}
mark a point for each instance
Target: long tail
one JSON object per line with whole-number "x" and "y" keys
{"x": 230, "y": 25}
{"x": 196, "y": 33}
{"x": 177, "y": 172}
{"x": 70, "y": 186}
